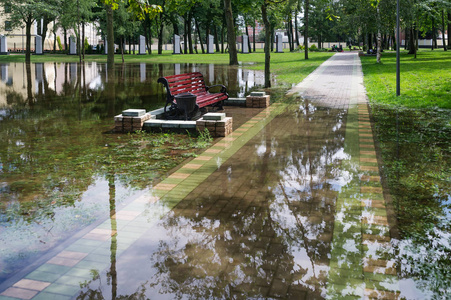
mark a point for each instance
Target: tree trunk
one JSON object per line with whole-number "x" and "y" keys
{"x": 110, "y": 37}
{"x": 44, "y": 31}
{"x": 248, "y": 39}
{"x": 272, "y": 38}
{"x": 433, "y": 44}
{"x": 306, "y": 10}
{"x": 200, "y": 37}
{"x": 379, "y": 45}
{"x": 28, "y": 24}
{"x": 231, "y": 38}
{"x": 65, "y": 39}
{"x": 296, "y": 28}
{"x": 129, "y": 44}
{"x": 82, "y": 39}
{"x": 253, "y": 35}
{"x": 222, "y": 34}
{"x": 434, "y": 34}
{"x": 29, "y": 81}
{"x": 122, "y": 47}
{"x": 148, "y": 34}
{"x": 54, "y": 38}
{"x": 443, "y": 30}
{"x": 190, "y": 39}
{"x": 160, "y": 28}
{"x": 185, "y": 35}
{"x": 289, "y": 34}
{"x": 267, "y": 46}
{"x": 412, "y": 48}
{"x": 195, "y": 41}
{"x": 216, "y": 38}
{"x": 449, "y": 29}
{"x": 416, "y": 40}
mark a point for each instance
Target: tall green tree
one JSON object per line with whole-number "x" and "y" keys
{"x": 137, "y": 7}
{"x": 266, "y": 5}
{"x": 76, "y": 14}
{"x": 26, "y": 12}
{"x": 306, "y": 27}
{"x": 231, "y": 36}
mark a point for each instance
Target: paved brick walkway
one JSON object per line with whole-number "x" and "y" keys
{"x": 362, "y": 264}
{"x": 289, "y": 206}
{"x": 337, "y": 83}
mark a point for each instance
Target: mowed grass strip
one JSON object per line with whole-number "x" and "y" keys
{"x": 425, "y": 81}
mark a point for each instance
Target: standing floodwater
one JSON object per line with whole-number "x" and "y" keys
{"x": 58, "y": 157}
{"x": 293, "y": 204}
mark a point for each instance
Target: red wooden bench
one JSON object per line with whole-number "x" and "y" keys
{"x": 192, "y": 83}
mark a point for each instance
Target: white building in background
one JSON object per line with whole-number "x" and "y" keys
{"x": 16, "y": 39}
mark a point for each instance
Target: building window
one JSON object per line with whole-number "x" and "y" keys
{"x": 7, "y": 8}
{"x": 8, "y": 26}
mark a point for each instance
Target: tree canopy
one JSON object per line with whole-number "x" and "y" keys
{"x": 369, "y": 23}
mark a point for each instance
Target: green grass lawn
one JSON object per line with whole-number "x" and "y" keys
{"x": 413, "y": 133}
{"x": 425, "y": 81}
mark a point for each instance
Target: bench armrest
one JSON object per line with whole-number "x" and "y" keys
{"x": 164, "y": 81}
{"x": 223, "y": 88}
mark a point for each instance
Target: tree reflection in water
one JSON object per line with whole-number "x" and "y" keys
{"x": 57, "y": 148}
{"x": 261, "y": 226}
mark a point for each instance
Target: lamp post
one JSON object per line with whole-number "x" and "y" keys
{"x": 398, "y": 88}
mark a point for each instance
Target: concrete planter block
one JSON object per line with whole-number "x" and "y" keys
{"x": 158, "y": 113}
{"x": 188, "y": 124}
{"x": 258, "y": 94}
{"x": 153, "y": 123}
{"x": 134, "y": 112}
{"x": 170, "y": 124}
{"x": 126, "y": 124}
{"x": 214, "y": 116}
{"x": 235, "y": 102}
{"x": 257, "y": 102}
{"x": 216, "y": 128}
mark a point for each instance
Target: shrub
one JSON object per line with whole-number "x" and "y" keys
{"x": 313, "y": 48}
{"x": 60, "y": 46}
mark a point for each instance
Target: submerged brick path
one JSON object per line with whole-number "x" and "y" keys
{"x": 361, "y": 264}
{"x": 296, "y": 213}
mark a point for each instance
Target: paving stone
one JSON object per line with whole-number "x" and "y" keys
{"x": 19, "y": 293}
{"x": 31, "y": 284}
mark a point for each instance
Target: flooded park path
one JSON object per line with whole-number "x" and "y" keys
{"x": 289, "y": 206}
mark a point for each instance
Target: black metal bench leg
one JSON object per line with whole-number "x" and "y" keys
{"x": 221, "y": 105}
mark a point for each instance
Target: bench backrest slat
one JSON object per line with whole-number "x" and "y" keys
{"x": 191, "y": 82}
